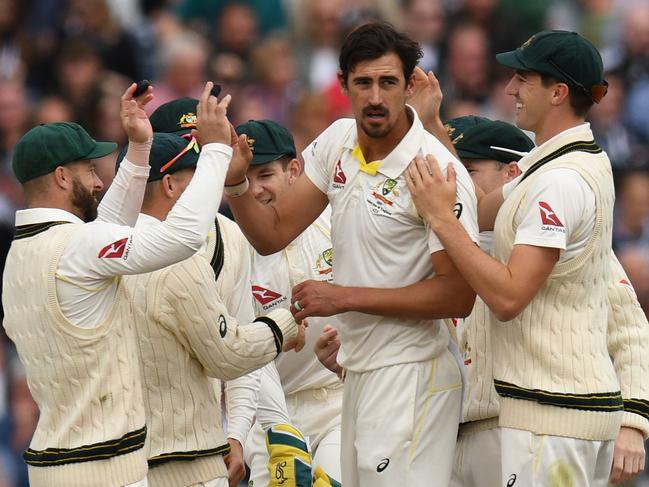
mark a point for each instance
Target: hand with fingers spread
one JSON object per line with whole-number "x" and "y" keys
{"x": 434, "y": 194}
{"x": 134, "y": 120}
{"x": 628, "y": 456}
{"x": 326, "y": 349}
{"x": 315, "y": 298}
{"x": 241, "y": 157}
{"x": 297, "y": 343}
{"x": 212, "y": 122}
{"x": 426, "y": 96}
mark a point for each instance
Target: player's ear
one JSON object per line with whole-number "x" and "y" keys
{"x": 342, "y": 82}
{"x": 294, "y": 168}
{"x": 513, "y": 171}
{"x": 167, "y": 186}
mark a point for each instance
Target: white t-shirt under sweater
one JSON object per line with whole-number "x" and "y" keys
{"x": 309, "y": 256}
{"x": 379, "y": 240}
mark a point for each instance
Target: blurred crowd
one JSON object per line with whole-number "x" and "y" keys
{"x": 72, "y": 59}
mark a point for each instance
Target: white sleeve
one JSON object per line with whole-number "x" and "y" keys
{"x": 466, "y": 206}
{"x": 241, "y": 399}
{"x": 102, "y": 250}
{"x": 242, "y": 394}
{"x": 122, "y": 202}
{"x": 320, "y": 155}
{"x": 272, "y": 407}
{"x": 553, "y": 210}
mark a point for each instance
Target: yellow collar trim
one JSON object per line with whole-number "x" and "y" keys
{"x": 367, "y": 167}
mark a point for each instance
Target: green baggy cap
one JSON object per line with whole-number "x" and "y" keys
{"x": 482, "y": 138}
{"x": 268, "y": 141}
{"x": 47, "y": 146}
{"x": 169, "y": 153}
{"x": 564, "y": 55}
{"x": 176, "y": 116}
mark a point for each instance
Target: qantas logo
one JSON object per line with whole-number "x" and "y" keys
{"x": 339, "y": 174}
{"x": 114, "y": 250}
{"x": 263, "y": 295}
{"x": 548, "y": 216}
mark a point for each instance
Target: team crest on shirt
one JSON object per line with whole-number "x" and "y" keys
{"x": 383, "y": 196}
{"x": 324, "y": 264}
{"x": 549, "y": 219}
{"x": 267, "y": 298}
{"x": 340, "y": 178}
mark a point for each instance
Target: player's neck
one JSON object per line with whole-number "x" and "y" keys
{"x": 554, "y": 125}
{"x": 377, "y": 148}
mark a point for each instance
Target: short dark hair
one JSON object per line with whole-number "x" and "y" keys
{"x": 373, "y": 40}
{"x": 580, "y": 100}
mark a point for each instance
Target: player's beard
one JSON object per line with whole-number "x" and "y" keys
{"x": 84, "y": 201}
{"x": 373, "y": 131}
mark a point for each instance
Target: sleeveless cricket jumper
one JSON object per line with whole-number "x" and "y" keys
{"x": 85, "y": 380}
{"x": 553, "y": 370}
{"x": 185, "y": 336}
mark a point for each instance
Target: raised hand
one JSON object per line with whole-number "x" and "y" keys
{"x": 134, "y": 120}
{"x": 241, "y": 157}
{"x": 212, "y": 124}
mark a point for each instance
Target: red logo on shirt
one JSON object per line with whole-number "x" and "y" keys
{"x": 114, "y": 250}
{"x": 263, "y": 295}
{"x": 548, "y": 216}
{"x": 339, "y": 174}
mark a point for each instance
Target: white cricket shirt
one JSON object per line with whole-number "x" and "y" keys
{"x": 379, "y": 240}
{"x": 309, "y": 256}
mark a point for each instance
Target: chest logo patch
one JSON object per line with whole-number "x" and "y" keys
{"x": 324, "y": 263}
{"x": 339, "y": 174}
{"x": 263, "y": 295}
{"x": 382, "y": 197}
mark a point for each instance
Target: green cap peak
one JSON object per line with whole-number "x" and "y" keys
{"x": 268, "y": 140}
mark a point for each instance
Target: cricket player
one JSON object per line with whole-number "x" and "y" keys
{"x": 491, "y": 151}
{"x": 546, "y": 285}
{"x": 65, "y": 304}
{"x": 393, "y": 281}
{"x": 313, "y": 394}
{"x": 185, "y": 335}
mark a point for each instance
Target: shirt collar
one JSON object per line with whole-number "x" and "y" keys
{"x": 397, "y": 160}
{"x": 30, "y": 216}
{"x": 578, "y": 132}
{"x": 145, "y": 219}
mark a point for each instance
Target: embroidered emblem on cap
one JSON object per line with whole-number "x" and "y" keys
{"x": 188, "y": 120}
{"x": 251, "y": 144}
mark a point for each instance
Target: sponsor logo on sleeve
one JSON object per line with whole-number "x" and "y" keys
{"x": 383, "y": 465}
{"x": 549, "y": 219}
{"x": 339, "y": 176}
{"x": 267, "y": 298}
{"x": 114, "y": 250}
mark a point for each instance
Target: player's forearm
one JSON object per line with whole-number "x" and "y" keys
{"x": 241, "y": 398}
{"x": 261, "y": 224}
{"x": 504, "y": 293}
{"x": 435, "y": 298}
{"x": 122, "y": 202}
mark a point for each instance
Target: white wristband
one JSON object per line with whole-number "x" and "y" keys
{"x": 237, "y": 189}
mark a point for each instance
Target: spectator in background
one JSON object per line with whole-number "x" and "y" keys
{"x": 319, "y": 32}
{"x": 468, "y": 64}
{"x": 79, "y": 70}
{"x": 606, "y": 122}
{"x": 273, "y": 93}
{"x": 14, "y": 112}
{"x": 309, "y": 117}
{"x": 502, "y": 28}
{"x": 51, "y": 109}
{"x": 631, "y": 223}
{"x": 11, "y": 40}
{"x": 426, "y": 23}
{"x": 183, "y": 66}
{"x": 632, "y": 58}
{"x": 635, "y": 260}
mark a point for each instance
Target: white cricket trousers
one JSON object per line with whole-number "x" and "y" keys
{"x": 477, "y": 459}
{"x": 530, "y": 460}
{"x": 399, "y": 424}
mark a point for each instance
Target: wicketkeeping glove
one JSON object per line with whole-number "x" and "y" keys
{"x": 289, "y": 463}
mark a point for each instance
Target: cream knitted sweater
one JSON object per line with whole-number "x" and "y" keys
{"x": 552, "y": 368}
{"x": 84, "y": 380}
{"x": 186, "y": 336}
